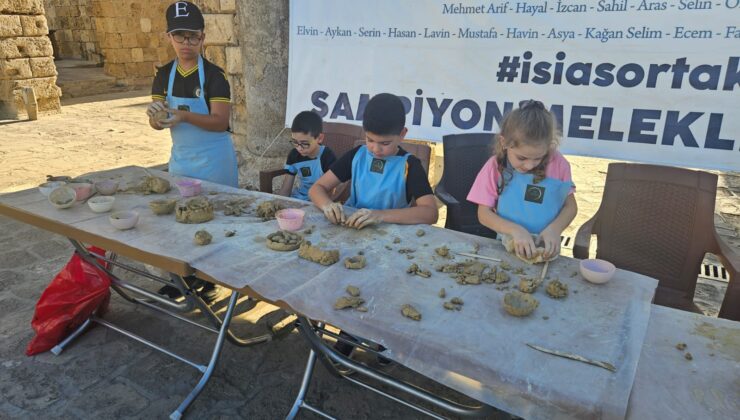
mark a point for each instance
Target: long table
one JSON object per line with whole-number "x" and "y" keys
{"x": 479, "y": 351}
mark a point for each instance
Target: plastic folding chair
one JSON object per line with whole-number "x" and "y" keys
{"x": 465, "y": 155}
{"x": 659, "y": 221}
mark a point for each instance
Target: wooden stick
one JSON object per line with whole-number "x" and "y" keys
{"x": 544, "y": 271}
{"x": 605, "y": 365}
{"x": 482, "y": 257}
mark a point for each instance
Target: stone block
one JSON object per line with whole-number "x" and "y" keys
{"x": 10, "y": 25}
{"x": 149, "y": 54}
{"x": 228, "y": 6}
{"x": 43, "y": 67}
{"x": 208, "y": 6}
{"x": 216, "y": 55}
{"x": 129, "y": 40}
{"x": 139, "y": 70}
{"x": 44, "y": 87}
{"x": 110, "y": 40}
{"x": 115, "y": 69}
{"x": 26, "y": 7}
{"x": 34, "y": 25}
{"x": 234, "y": 60}
{"x": 145, "y": 24}
{"x": 118, "y": 55}
{"x": 18, "y": 68}
{"x": 238, "y": 90}
{"x": 137, "y": 55}
{"x": 220, "y": 29}
{"x": 25, "y": 47}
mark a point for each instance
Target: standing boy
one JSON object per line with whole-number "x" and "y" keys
{"x": 309, "y": 159}
{"x": 196, "y": 97}
{"x": 388, "y": 183}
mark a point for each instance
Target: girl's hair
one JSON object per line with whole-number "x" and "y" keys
{"x": 530, "y": 124}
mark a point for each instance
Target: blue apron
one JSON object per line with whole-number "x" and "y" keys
{"x": 532, "y": 206}
{"x": 199, "y": 153}
{"x": 378, "y": 184}
{"x": 307, "y": 172}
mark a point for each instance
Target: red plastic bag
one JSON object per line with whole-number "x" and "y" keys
{"x": 75, "y": 293}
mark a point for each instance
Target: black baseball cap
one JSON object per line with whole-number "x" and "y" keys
{"x": 184, "y": 16}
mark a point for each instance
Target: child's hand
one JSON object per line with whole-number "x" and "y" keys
{"x": 363, "y": 218}
{"x": 334, "y": 212}
{"x": 176, "y": 118}
{"x": 523, "y": 242}
{"x": 551, "y": 240}
{"x": 155, "y": 107}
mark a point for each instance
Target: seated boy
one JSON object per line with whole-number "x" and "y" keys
{"x": 388, "y": 183}
{"x": 309, "y": 159}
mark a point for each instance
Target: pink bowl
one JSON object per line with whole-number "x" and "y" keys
{"x": 83, "y": 190}
{"x": 597, "y": 271}
{"x": 188, "y": 187}
{"x": 290, "y": 219}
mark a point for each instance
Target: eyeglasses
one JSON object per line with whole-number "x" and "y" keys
{"x": 191, "y": 40}
{"x": 302, "y": 144}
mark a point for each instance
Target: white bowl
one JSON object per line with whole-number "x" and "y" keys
{"x": 101, "y": 204}
{"x": 62, "y": 197}
{"x": 124, "y": 219}
{"x": 597, "y": 271}
{"x": 47, "y": 187}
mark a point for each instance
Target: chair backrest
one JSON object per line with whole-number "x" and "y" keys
{"x": 657, "y": 221}
{"x": 464, "y": 156}
{"x": 341, "y": 137}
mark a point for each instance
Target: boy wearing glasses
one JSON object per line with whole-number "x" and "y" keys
{"x": 196, "y": 97}
{"x": 309, "y": 159}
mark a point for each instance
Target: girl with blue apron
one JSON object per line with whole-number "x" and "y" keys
{"x": 199, "y": 153}
{"x": 308, "y": 172}
{"x": 378, "y": 184}
{"x": 531, "y": 205}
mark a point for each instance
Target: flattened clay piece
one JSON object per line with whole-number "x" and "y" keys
{"x": 556, "y": 289}
{"x": 355, "y": 263}
{"x": 449, "y": 306}
{"x": 267, "y": 209}
{"x": 442, "y": 251}
{"x": 154, "y": 185}
{"x": 688, "y": 356}
{"x": 537, "y": 258}
{"x": 502, "y": 277}
{"x": 229, "y": 233}
{"x": 406, "y": 250}
{"x": 472, "y": 280}
{"x": 420, "y": 233}
{"x": 519, "y": 304}
{"x": 415, "y": 269}
{"x": 505, "y": 266}
{"x": 396, "y": 240}
{"x": 361, "y": 309}
{"x": 163, "y": 206}
{"x": 442, "y": 293}
{"x": 681, "y": 346}
{"x": 345, "y": 302}
{"x": 202, "y": 237}
{"x": 194, "y": 210}
{"x": 161, "y": 115}
{"x": 318, "y": 255}
{"x": 353, "y": 291}
{"x": 519, "y": 271}
{"x": 528, "y": 285}
{"x": 284, "y": 241}
{"x": 410, "y": 312}
{"x": 236, "y": 207}
{"x": 457, "y": 301}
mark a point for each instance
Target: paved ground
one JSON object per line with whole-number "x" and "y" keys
{"x": 104, "y": 375}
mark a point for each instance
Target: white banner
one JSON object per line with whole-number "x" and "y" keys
{"x": 635, "y": 80}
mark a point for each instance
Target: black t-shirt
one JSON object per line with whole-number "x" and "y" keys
{"x": 327, "y": 158}
{"x": 187, "y": 83}
{"x": 417, "y": 184}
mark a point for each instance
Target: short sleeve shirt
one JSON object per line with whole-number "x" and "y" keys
{"x": 327, "y": 159}
{"x": 484, "y": 191}
{"x": 417, "y": 183}
{"x": 187, "y": 83}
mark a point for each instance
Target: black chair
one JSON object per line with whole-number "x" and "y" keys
{"x": 464, "y": 156}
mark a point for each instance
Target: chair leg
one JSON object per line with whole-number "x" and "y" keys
{"x": 300, "y": 400}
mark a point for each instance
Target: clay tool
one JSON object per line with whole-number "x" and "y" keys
{"x": 605, "y": 365}
{"x": 482, "y": 257}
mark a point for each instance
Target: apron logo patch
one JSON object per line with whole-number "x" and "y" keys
{"x": 534, "y": 194}
{"x": 197, "y": 92}
{"x": 378, "y": 166}
{"x": 305, "y": 172}
{"x": 183, "y": 107}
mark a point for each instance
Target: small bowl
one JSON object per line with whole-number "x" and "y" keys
{"x": 106, "y": 187}
{"x": 597, "y": 271}
{"x": 188, "y": 187}
{"x": 62, "y": 197}
{"x": 124, "y": 219}
{"x": 101, "y": 204}
{"x": 82, "y": 189}
{"x": 163, "y": 206}
{"x": 290, "y": 219}
{"x": 47, "y": 187}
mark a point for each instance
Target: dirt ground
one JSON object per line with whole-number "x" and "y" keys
{"x": 105, "y": 375}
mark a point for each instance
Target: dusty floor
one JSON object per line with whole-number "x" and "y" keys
{"x": 104, "y": 375}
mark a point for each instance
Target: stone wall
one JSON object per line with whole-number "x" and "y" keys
{"x": 25, "y": 58}
{"x": 73, "y": 29}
